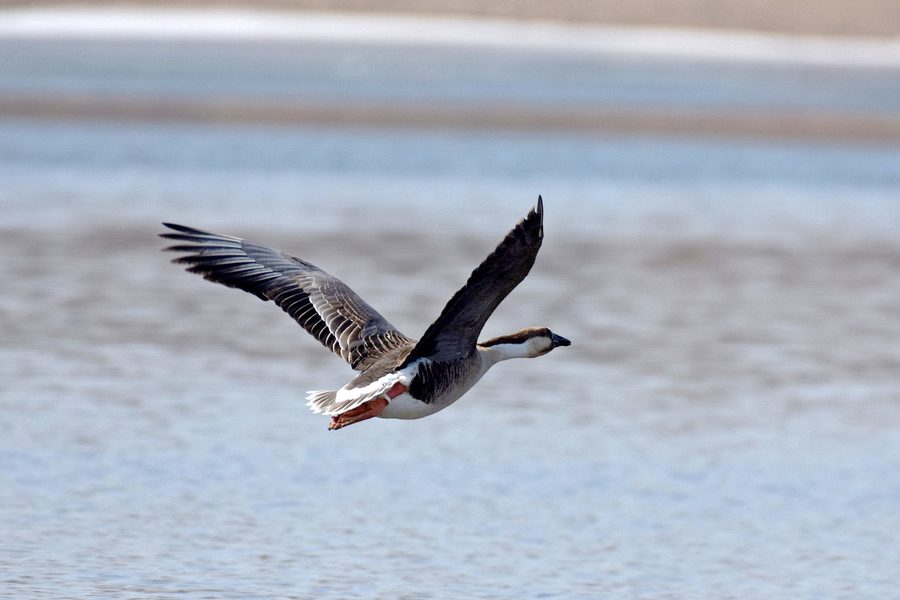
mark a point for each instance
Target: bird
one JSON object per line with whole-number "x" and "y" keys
{"x": 398, "y": 377}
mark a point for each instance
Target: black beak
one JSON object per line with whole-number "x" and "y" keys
{"x": 559, "y": 340}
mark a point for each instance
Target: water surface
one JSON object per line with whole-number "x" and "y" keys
{"x": 726, "y": 423}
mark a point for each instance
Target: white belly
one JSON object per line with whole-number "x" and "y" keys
{"x": 405, "y": 406}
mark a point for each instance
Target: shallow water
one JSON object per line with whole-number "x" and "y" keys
{"x": 337, "y": 72}
{"x": 726, "y": 423}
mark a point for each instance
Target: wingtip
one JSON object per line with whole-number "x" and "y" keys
{"x": 173, "y": 227}
{"x": 165, "y": 233}
{"x": 538, "y": 211}
{"x": 183, "y": 228}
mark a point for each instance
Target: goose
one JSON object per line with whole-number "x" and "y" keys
{"x": 399, "y": 377}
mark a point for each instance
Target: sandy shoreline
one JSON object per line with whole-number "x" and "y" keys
{"x": 878, "y": 18}
{"x": 783, "y": 124}
{"x": 248, "y": 24}
{"x": 238, "y": 24}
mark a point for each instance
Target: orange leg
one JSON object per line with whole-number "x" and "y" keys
{"x": 366, "y": 410}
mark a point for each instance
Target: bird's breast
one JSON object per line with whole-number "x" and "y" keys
{"x": 404, "y": 406}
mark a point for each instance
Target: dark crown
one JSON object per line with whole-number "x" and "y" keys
{"x": 519, "y": 337}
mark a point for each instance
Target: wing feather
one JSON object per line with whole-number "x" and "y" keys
{"x": 456, "y": 330}
{"x": 322, "y": 304}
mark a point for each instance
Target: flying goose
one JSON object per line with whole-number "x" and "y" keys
{"x": 399, "y": 377}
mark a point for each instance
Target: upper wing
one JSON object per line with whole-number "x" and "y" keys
{"x": 456, "y": 331}
{"x": 323, "y": 305}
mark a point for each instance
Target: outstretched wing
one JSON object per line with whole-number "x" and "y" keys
{"x": 323, "y": 305}
{"x": 456, "y": 331}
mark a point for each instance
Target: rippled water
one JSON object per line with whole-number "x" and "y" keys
{"x": 726, "y": 423}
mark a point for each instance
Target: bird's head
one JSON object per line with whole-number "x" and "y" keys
{"x": 525, "y": 343}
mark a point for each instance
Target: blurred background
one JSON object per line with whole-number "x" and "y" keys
{"x": 722, "y": 194}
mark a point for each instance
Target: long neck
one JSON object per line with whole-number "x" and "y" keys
{"x": 491, "y": 355}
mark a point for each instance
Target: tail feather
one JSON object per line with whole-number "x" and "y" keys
{"x": 320, "y": 401}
